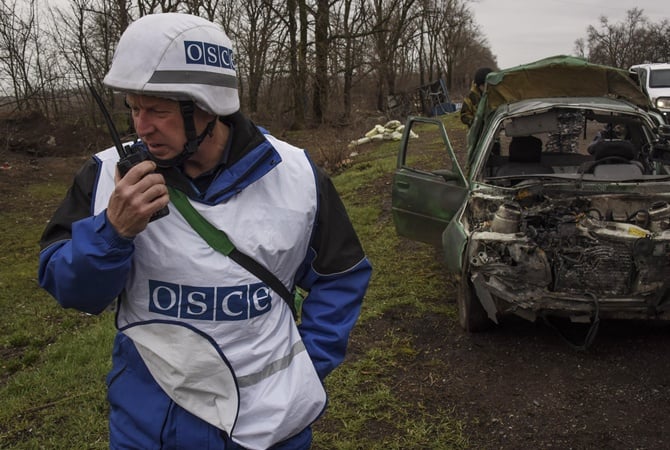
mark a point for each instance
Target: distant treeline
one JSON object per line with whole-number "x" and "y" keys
{"x": 306, "y": 62}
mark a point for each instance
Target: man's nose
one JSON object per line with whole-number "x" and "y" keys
{"x": 143, "y": 123}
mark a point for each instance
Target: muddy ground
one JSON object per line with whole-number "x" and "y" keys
{"x": 518, "y": 386}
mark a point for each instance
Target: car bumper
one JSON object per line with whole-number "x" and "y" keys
{"x": 533, "y": 303}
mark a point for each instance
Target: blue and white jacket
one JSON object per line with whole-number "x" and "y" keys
{"x": 218, "y": 342}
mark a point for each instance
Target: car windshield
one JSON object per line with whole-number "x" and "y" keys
{"x": 570, "y": 143}
{"x": 659, "y": 78}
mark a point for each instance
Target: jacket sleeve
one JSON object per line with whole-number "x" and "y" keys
{"x": 469, "y": 106}
{"x": 467, "y": 111}
{"x": 83, "y": 262}
{"x": 336, "y": 274}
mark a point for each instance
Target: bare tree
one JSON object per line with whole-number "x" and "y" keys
{"x": 321, "y": 44}
{"x": 623, "y": 44}
{"x": 16, "y": 52}
{"x": 122, "y": 14}
{"x": 286, "y": 53}
{"x": 350, "y": 27}
{"x": 657, "y": 37}
{"x": 210, "y": 8}
{"x": 614, "y": 44}
{"x": 462, "y": 43}
{"x": 292, "y": 28}
{"x": 430, "y": 21}
{"x": 391, "y": 21}
{"x": 302, "y": 58}
{"x": 147, "y": 7}
{"x": 255, "y": 27}
{"x": 30, "y": 72}
{"x": 86, "y": 33}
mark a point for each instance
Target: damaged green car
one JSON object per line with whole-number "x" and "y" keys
{"x": 560, "y": 206}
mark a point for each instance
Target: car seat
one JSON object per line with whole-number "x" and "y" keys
{"x": 615, "y": 159}
{"x": 525, "y": 155}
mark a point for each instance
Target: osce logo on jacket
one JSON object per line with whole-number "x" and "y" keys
{"x": 198, "y": 52}
{"x": 209, "y": 303}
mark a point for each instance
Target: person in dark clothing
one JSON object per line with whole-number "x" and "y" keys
{"x": 471, "y": 101}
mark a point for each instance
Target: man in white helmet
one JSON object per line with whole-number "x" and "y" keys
{"x": 208, "y": 354}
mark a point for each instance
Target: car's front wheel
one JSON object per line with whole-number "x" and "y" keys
{"x": 471, "y": 314}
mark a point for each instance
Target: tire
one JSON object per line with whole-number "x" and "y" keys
{"x": 471, "y": 314}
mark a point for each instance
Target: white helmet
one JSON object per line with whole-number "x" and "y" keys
{"x": 180, "y": 57}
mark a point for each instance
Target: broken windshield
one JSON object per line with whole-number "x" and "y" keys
{"x": 570, "y": 143}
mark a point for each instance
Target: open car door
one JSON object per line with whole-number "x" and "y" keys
{"x": 427, "y": 189}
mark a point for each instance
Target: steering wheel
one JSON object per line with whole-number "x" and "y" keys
{"x": 610, "y": 159}
{"x": 589, "y": 166}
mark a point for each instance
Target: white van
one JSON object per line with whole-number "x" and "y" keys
{"x": 655, "y": 81}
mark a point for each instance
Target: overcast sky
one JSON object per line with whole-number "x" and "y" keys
{"x": 522, "y": 31}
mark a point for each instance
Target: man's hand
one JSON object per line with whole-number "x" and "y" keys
{"x": 136, "y": 197}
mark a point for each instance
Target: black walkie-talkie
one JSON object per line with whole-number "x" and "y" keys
{"x": 131, "y": 154}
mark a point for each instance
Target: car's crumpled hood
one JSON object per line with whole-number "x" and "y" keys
{"x": 557, "y": 77}
{"x": 561, "y": 76}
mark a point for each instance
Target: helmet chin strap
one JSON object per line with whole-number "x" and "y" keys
{"x": 193, "y": 140}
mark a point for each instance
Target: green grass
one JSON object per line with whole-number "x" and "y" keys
{"x": 54, "y": 361}
{"x": 60, "y": 401}
{"x": 399, "y": 281}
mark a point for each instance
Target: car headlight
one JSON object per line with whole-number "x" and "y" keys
{"x": 663, "y": 103}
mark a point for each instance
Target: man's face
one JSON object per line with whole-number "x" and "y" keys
{"x": 159, "y": 124}
{"x": 620, "y": 131}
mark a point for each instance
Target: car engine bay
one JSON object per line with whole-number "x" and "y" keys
{"x": 607, "y": 245}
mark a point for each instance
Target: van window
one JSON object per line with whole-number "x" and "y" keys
{"x": 659, "y": 78}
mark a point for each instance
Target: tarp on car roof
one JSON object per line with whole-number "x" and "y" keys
{"x": 561, "y": 76}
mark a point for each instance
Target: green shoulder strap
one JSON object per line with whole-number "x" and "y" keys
{"x": 219, "y": 241}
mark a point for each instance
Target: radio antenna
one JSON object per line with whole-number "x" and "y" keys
{"x": 110, "y": 123}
